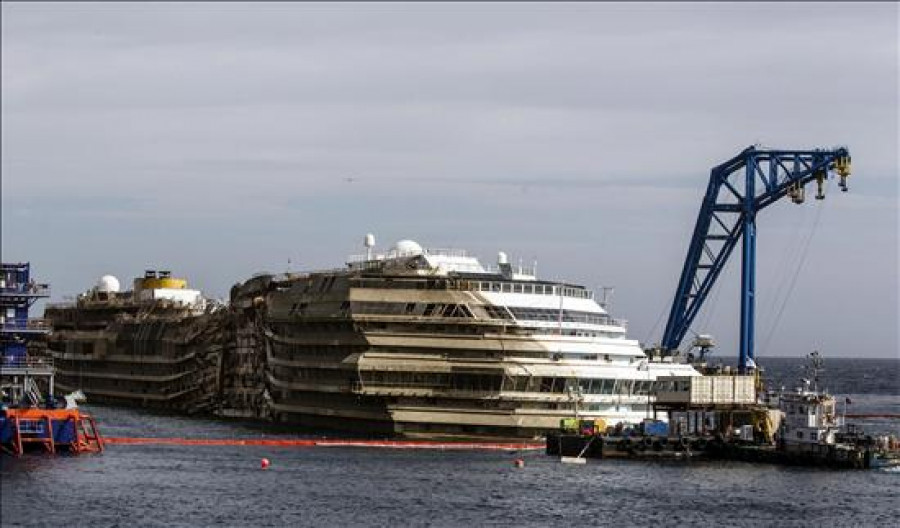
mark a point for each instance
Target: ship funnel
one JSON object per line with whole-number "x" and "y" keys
{"x": 369, "y": 242}
{"x": 503, "y": 264}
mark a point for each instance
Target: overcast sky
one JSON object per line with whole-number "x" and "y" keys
{"x": 220, "y": 140}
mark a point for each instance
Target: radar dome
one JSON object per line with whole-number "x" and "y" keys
{"x": 108, "y": 284}
{"x": 407, "y": 248}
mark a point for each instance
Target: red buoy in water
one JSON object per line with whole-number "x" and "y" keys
{"x": 519, "y": 463}
{"x": 264, "y": 463}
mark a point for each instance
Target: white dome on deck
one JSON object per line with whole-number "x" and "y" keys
{"x": 407, "y": 248}
{"x": 108, "y": 284}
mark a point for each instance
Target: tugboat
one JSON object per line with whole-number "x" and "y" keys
{"x": 31, "y": 416}
{"x": 813, "y": 433}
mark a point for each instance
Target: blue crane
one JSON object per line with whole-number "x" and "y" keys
{"x": 738, "y": 189}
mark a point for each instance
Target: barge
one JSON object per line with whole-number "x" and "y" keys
{"x": 800, "y": 427}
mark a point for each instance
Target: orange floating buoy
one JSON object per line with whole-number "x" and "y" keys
{"x": 264, "y": 463}
{"x": 519, "y": 463}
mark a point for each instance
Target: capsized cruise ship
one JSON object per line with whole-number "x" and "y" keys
{"x": 410, "y": 341}
{"x": 429, "y": 341}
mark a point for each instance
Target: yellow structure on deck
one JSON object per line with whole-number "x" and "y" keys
{"x": 153, "y": 280}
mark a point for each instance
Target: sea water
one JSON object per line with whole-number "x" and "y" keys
{"x": 170, "y": 485}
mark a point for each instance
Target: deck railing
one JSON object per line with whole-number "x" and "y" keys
{"x": 16, "y": 290}
{"x": 31, "y": 325}
{"x": 26, "y": 363}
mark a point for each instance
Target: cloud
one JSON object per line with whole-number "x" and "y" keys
{"x": 223, "y": 138}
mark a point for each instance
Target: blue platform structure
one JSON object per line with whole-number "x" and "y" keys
{"x": 738, "y": 189}
{"x": 29, "y": 412}
{"x": 18, "y": 292}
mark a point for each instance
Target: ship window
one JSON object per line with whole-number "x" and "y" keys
{"x": 623, "y": 387}
{"x": 428, "y": 310}
{"x": 546, "y": 385}
{"x": 814, "y": 435}
{"x": 601, "y": 386}
{"x": 410, "y": 307}
{"x": 517, "y": 288}
{"x": 506, "y": 287}
{"x": 800, "y": 435}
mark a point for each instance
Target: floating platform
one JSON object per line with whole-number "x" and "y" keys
{"x": 50, "y": 430}
{"x": 841, "y": 456}
{"x": 635, "y": 447}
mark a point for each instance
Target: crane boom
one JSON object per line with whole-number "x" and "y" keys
{"x": 737, "y": 190}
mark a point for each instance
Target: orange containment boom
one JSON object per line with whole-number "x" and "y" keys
{"x": 330, "y": 442}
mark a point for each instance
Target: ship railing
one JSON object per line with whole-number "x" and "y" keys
{"x": 31, "y": 289}
{"x": 517, "y": 270}
{"x": 362, "y": 262}
{"x": 618, "y": 322}
{"x": 446, "y": 252}
{"x": 60, "y": 305}
{"x": 26, "y": 363}
{"x": 383, "y": 386}
{"x": 434, "y": 252}
{"x": 40, "y": 324}
{"x": 531, "y": 287}
{"x": 120, "y": 299}
{"x": 31, "y": 325}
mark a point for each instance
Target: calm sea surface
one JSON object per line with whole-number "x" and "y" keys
{"x": 331, "y": 486}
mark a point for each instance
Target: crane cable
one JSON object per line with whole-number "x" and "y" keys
{"x": 782, "y": 272}
{"x": 803, "y": 254}
{"x": 656, "y": 325}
